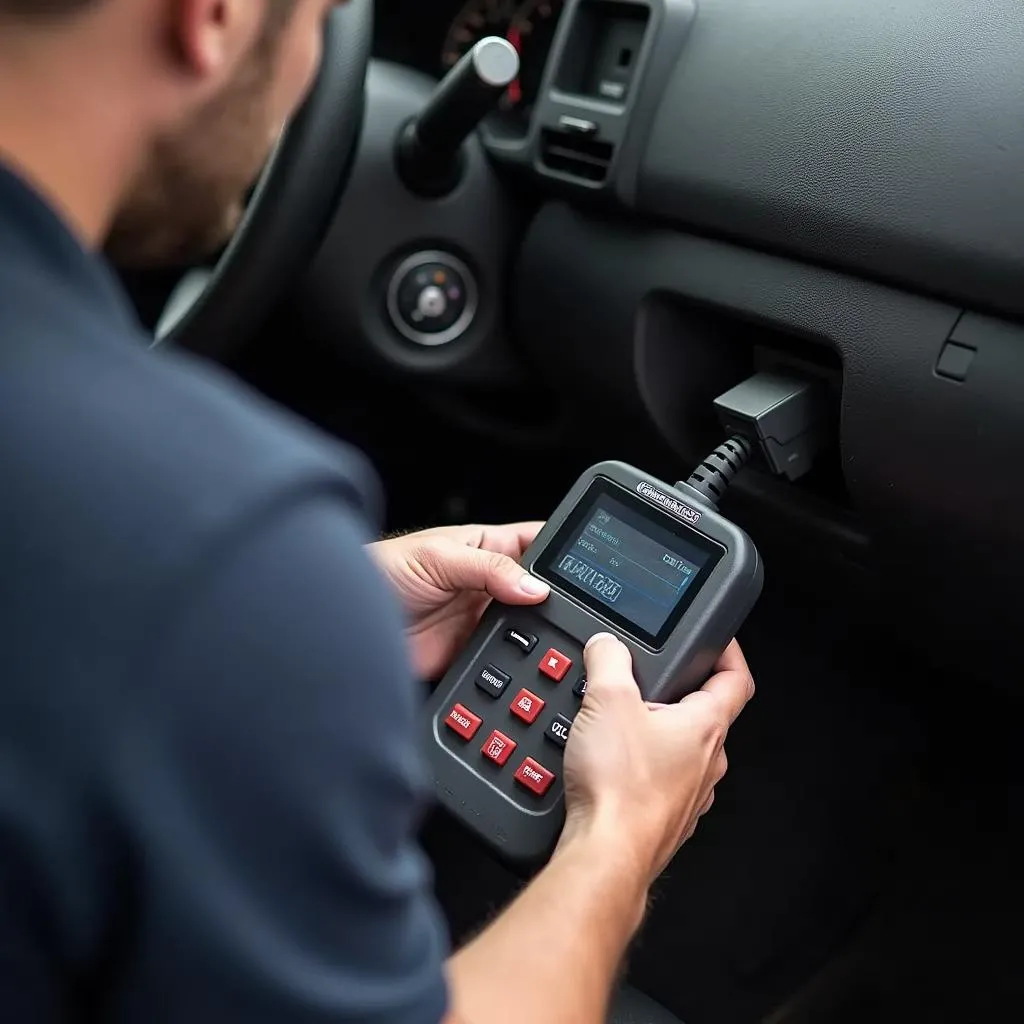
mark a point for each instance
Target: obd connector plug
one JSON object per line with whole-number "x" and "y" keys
{"x": 785, "y": 415}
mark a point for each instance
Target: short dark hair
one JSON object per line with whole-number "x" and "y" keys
{"x": 39, "y": 10}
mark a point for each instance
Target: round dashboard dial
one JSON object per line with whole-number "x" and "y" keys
{"x": 529, "y": 26}
{"x": 531, "y": 32}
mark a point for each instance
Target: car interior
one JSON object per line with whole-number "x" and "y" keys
{"x": 506, "y": 240}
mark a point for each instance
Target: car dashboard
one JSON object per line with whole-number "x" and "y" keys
{"x": 674, "y": 194}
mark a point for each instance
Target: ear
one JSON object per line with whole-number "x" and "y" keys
{"x": 213, "y": 35}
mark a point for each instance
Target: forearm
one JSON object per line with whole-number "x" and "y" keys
{"x": 552, "y": 956}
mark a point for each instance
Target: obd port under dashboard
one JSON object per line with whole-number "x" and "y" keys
{"x": 688, "y": 356}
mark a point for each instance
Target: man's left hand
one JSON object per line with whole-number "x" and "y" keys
{"x": 446, "y": 577}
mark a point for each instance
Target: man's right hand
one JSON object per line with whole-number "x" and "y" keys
{"x": 640, "y": 775}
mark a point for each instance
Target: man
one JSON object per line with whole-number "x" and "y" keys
{"x": 208, "y": 785}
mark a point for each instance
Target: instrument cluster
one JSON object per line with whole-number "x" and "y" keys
{"x": 433, "y": 36}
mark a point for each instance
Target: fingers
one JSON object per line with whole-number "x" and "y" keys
{"x": 510, "y": 539}
{"x": 720, "y": 767}
{"x": 732, "y": 685}
{"x": 609, "y": 667}
{"x": 732, "y": 659}
{"x": 709, "y": 802}
{"x": 469, "y": 568}
{"x": 692, "y": 828}
{"x": 522, "y": 535}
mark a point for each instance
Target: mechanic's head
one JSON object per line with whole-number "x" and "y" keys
{"x": 201, "y": 90}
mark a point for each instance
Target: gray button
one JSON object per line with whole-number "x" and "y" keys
{"x": 955, "y": 360}
{"x": 432, "y": 302}
{"x": 577, "y": 124}
{"x": 611, "y": 90}
{"x": 496, "y": 61}
{"x": 432, "y": 298}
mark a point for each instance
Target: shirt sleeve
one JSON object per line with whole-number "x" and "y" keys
{"x": 272, "y": 788}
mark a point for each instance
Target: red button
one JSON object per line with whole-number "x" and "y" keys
{"x": 463, "y": 721}
{"x": 526, "y": 706}
{"x": 555, "y": 664}
{"x": 498, "y": 747}
{"x": 534, "y": 776}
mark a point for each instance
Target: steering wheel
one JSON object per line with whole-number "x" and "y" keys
{"x": 212, "y": 313}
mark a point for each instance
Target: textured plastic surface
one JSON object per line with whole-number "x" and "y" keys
{"x": 885, "y": 137}
{"x": 379, "y": 223}
{"x": 519, "y": 825}
{"x": 928, "y": 462}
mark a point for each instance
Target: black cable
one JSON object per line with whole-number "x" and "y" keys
{"x": 711, "y": 478}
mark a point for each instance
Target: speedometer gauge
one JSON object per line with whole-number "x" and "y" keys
{"x": 477, "y": 19}
{"x": 531, "y": 32}
{"x": 529, "y": 26}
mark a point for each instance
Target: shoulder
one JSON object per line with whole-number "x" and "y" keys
{"x": 155, "y": 447}
{"x": 129, "y": 473}
{"x": 205, "y": 665}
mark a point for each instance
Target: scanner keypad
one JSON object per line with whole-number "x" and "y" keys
{"x": 521, "y": 694}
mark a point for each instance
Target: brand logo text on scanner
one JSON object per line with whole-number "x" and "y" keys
{"x": 677, "y": 508}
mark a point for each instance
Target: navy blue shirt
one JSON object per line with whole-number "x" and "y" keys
{"x": 208, "y": 784}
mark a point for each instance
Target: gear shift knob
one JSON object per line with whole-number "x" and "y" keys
{"x": 430, "y": 145}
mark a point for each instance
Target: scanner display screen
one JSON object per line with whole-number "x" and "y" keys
{"x": 629, "y": 562}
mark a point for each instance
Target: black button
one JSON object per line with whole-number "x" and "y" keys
{"x": 955, "y": 360}
{"x": 558, "y": 730}
{"x": 524, "y": 641}
{"x": 581, "y": 687}
{"x": 493, "y": 681}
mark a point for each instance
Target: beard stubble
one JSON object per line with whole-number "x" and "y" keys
{"x": 189, "y": 197}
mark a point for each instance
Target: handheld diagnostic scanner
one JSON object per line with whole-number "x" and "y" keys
{"x": 625, "y": 553}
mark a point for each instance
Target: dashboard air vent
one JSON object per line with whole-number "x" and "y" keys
{"x": 576, "y": 156}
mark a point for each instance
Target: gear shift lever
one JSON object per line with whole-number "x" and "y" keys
{"x": 430, "y": 146}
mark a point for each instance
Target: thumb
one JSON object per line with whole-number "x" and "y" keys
{"x": 609, "y": 669}
{"x": 503, "y": 578}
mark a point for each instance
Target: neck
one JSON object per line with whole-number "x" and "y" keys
{"x": 72, "y": 144}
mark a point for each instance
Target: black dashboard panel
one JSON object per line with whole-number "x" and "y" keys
{"x": 833, "y": 185}
{"x": 885, "y": 137}
{"x": 641, "y": 316}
